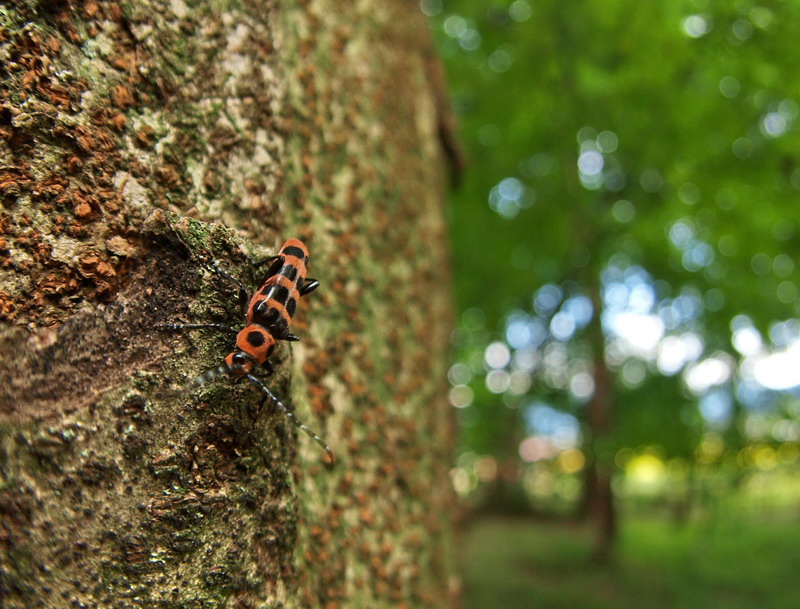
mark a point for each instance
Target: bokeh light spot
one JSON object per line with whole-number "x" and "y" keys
{"x": 712, "y": 371}
{"x": 581, "y": 386}
{"x": 696, "y": 26}
{"x": 431, "y": 7}
{"x": 773, "y": 124}
{"x": 607, "y": 141}
{"x": 497, "y": 355}
{"x": 571, "y": 461}
{"x": 520, "y": 10}
{"x": 729, "y": 86}
{"x": 455, "y": 26}
{"x": 747, "y": 340}
{"x": 787, "y": 292}
{"x": 562, "y": 326}
{"x": 762, "y": 17}
{"x": 546, "y": 299}
{"x": 783, "y": 265}
{"x": 646, "y": 469}
{"x": 459, "y": 374}
{"x": 742, "y": 29}
{"x": 590, "y": 163}
{"x": 623, "y": 211}
{"x": 500, "y": 60}
{"x": 651, "y": 180}
{"x": 761, "y": 263}
{"x": 470, "y": 39}
{"x": 498, "y": 381}
{"x": 461, "y": 396}
{"x": 689, "y": 193}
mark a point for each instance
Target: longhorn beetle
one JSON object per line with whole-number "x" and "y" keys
{"x": 267, "y": 315}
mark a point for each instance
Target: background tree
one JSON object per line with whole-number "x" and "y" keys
{"x": 119, "y": 486}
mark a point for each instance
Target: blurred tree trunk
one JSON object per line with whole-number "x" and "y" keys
{"x": 120, "y": 488}
{"x": 598, "y": 500}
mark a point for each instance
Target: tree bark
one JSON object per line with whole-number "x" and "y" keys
{"x": 138, "y": 141}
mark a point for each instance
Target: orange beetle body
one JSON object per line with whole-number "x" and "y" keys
{"x": 275, "y": 303}
{"x": 268, "y": 314}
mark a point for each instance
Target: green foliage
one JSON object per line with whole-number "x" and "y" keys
{"x": 625, "y": 67}
{"x": 689, "y": 112}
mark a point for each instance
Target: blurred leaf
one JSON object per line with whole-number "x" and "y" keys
{"x": 686, "y": 114}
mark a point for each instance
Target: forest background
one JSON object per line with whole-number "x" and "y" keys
{"x": 625, "y": 246}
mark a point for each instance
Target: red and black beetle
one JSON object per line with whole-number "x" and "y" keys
{"x": 268, "y": 315}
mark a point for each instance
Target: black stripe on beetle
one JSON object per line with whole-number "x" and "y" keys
{"x": 280, "y": 327}
{"x": 290, "y": 272}
{"x": 279, "y": 294}
{"x": 294, "y": 251}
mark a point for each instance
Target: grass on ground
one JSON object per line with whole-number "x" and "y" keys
{"x": 527, "y": 564}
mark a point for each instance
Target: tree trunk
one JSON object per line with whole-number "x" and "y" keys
{"x": 121, "y": 486}
{"x": 598, "y": 501}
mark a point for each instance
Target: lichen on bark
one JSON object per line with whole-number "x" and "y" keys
{"x": 309, "y": 119}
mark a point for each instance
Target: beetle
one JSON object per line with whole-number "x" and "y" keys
{"x": 268, "y": 315}
{"x": 274, "y": 304}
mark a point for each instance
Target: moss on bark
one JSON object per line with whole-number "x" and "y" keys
{"x": 120, "y": 488}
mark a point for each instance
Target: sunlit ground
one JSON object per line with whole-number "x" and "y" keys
{"x": 737, "y": 559}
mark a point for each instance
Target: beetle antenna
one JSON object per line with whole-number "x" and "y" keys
{"x": 330, "y": 458}
{"x": 209, "y": 375}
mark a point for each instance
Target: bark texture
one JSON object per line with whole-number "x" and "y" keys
{"x": 137, "y": 140}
